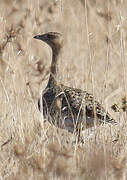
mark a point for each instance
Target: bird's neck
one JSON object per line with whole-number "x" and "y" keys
{"x": 54, "y": 67}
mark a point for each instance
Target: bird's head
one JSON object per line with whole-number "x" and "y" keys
{"x": 53, "y": 39}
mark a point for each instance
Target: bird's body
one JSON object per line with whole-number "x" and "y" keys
{"x": 67, "y": 107}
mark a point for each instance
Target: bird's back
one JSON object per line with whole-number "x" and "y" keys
{"x": 71, "y": 108}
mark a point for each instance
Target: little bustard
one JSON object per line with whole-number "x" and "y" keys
{"x": 67, "y": 107}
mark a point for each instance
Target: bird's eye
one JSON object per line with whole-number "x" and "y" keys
{"x": 46, "y": 35}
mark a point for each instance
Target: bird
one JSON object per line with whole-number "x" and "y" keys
{"x": 67, "y": 107}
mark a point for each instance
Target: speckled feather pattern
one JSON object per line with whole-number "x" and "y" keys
{"x": 70, "y": 108}
{"x": 67, "y": 107}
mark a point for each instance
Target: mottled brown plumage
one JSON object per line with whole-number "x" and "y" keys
{"x": 67, "y": 107}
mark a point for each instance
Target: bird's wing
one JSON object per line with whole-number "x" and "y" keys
{"x": 77, "y": 101}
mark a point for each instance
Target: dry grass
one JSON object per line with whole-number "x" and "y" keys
{"x": 94, "y": 58}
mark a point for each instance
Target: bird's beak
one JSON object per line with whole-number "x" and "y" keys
{"x": 37, "y": 37}
{"x": 41, "y": 37}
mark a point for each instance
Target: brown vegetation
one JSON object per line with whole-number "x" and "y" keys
{"x": 94, "y": 59}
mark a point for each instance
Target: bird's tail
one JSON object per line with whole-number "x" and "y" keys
{"x": 106, "y": 118}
